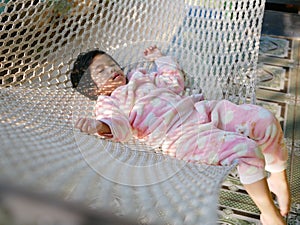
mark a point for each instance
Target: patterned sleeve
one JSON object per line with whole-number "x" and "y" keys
{"x": 107, "y": 111}
{"x": 168, "y": 74}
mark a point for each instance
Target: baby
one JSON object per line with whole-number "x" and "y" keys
{"x": 149, "y": 106}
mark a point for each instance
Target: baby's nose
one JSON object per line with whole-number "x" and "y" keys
{"x": 112, "y": 69}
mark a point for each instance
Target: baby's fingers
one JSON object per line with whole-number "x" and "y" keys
{"x": 83, "y": 124}
{"x": 87, "y": 125}
{"x": 150, "y": 50}
{"x": 91, "y": 126}
{"x": 79, "y": 123}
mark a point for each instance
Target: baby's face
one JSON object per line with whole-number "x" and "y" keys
{"x": 106, "y": 74}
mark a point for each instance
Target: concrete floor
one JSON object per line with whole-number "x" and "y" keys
{"x": 279, "y": 91}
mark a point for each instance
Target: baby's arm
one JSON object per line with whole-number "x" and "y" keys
{"x": 92, "y": 126}
{"x": 168, "y": 72}
{"x": 110, "y": 122}
{"x": 152, "y": 53}
{"x": 111, "y": 112}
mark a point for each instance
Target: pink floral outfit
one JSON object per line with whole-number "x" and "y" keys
{"x": 151, "y": 109}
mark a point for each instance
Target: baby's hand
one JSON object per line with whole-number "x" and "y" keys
{"x": 92, "y": 126}
{"x": 152, "y": 53}
{"x": 197, "y": 97}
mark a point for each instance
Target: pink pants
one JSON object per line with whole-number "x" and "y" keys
{"x": 248, "y": 134}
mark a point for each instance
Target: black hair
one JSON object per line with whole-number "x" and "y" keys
{"x": 81, "y": 65}
{"x": 81, "y": 72}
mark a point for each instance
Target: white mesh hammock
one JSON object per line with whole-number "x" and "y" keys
{"x": 215, "y": 42}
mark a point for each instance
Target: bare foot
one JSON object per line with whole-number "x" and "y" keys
{"x": 272, "y": 220}
{"x": 152, "y": 53}
{"x": 278, "y": 184}
{"x": 261, "y": 195}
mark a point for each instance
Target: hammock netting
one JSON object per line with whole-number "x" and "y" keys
{"x": 215, "y": 42}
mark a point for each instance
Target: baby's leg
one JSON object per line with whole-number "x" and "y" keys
{"x": 278, "y": 184}
{"x": 214, "y": 146}
{"x": 260, "y": 125}
{"x": 257, "y": 187}
{"x": 260, "y": 194}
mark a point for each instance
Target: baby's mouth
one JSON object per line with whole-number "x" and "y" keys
{"x": 116, "y": 75}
